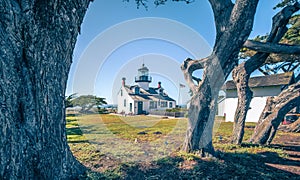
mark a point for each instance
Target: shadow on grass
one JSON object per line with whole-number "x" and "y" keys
{"x": 71, "y": 115}
{"x": 286, "y": 147}
{"x": 291, "y": 148}
{"x": 74, "y": 131}
{"x": 228, "y": 166}
{"x": 75, "y": 135}
{"x": 77, "y": 141}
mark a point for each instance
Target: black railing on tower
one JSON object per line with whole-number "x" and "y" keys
{"x": 143, "y": 79}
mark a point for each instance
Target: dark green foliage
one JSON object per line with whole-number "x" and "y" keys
{"x": 176, "y": 110}
{"x": 285, "y": 3}
{"x": 87, "y": 102}
{"x": 292, "y": 36}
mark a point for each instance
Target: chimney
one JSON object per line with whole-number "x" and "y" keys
{"x": 159, "y": 85}
{"x": 123, "y": 81}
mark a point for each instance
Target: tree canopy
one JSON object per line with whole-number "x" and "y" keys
{"x": 87, "y": 102}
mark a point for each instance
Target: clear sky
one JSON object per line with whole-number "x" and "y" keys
{"x": 116, "y": 38}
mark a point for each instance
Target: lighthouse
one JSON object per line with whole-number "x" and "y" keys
{"x": 143, "y": 79}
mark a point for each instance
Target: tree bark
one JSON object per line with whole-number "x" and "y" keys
{"x": 288, "y": 99}
{"x": 233, "y": 28}
{"x": 244, "y": 96}
{"x": 242, "y": 72}
{"x": 37, "y": 42}
{"x": 199, "y": 132}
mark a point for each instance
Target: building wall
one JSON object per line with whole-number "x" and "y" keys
{"x": 135, "y": 110}
{"x": 260, "y": 94}
{"x": 173, "y": 104}
{"x": 130, "y": 100}
{"x": 121, "y": 98}
{"x": 221, "y": 108}
{"x": 146, "y": 106}
{"x": 257, "y": 105}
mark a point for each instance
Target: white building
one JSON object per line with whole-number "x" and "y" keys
{"x": 140, "y": 98}
{"x": 261, "y": 86}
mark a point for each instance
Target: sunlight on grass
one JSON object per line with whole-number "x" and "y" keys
{"x": 131, "y": 138}
{"x": 113, "y": 144}
{"x": 131, "y": 131}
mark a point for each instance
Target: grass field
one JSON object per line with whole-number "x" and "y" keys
{"x": 144, "y": 147}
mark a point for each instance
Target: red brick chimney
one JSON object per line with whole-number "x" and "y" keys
{"x": 123, "y": 81}
{"x": 159, "y": 85}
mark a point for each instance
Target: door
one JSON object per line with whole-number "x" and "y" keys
{"x": 140, "y": 107}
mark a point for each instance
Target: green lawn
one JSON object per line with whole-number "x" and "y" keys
{"x": 116, "y": 147}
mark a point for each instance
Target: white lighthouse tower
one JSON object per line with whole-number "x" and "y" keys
{"x": 143, "y": 79}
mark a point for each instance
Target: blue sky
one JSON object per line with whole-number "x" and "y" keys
{"x": 116, "y": 38}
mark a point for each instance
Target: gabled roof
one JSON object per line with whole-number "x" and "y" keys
{"x": 166, "y": 98}
{"x": 265, "y": 81}
{"x": 150, "y": 94}
{"x": 152, "y": 90}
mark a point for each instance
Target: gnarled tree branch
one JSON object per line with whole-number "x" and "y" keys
{"x": 268, "y": 47}
{"x": 188, "y": 67}
{"x": 198, "y": 80}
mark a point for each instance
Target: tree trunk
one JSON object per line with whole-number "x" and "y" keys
{"x": 288, "y": 99}
{"x": 200, "y": 124}
{"x": 242, "y": 72}
{"x": 37, "y": 42}
{"x": 244, "y": 99}
{"x": 241, "y": 75}
{"x": 233, "y": 25}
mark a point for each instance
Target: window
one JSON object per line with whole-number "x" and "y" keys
{"x": 170, "y": 104}
{"x": 163, "y": 104}
{"x": 130, "y": 107}
{"x": 153, "y": 105}
{"x": 121, "y": 92}
{"x": 136, "y": 90}
{"x": 124, "y": 102}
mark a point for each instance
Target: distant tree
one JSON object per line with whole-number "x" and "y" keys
{"x": 68, "y": 100}
{"x": 87, "y": 102}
